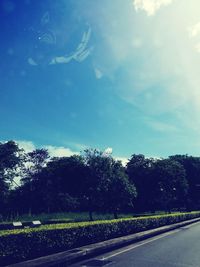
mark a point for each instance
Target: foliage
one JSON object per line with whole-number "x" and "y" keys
{"x": 139, "y": 170}
{"x": 192, "y": 168}
{"x": 10, "y": 159}
{"x": 108, "y": 186}
{"x": 161, "y": 183}
{"x": 96, "y": 182}
{"x": 170, "y": 184}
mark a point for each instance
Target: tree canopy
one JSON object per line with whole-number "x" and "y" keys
{"x": 95, "y": 181}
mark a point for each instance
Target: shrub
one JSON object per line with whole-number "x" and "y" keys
{"x": 24, "y": 244}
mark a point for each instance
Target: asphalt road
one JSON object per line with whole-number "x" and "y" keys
{"x": 178, "y": 248}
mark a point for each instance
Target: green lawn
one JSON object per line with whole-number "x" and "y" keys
{"x": 67, "y": 216}
{"x": 73, "y": 216}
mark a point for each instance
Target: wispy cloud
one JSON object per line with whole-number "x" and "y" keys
{"x": 150, "y": 6}
{"x": 152, "y": 64}
{"x": 161, "y": 126}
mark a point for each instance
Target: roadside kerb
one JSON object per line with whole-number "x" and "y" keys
{"x": 78, "y": 254}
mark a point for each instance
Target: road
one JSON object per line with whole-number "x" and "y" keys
{"x": 178, "y": 248}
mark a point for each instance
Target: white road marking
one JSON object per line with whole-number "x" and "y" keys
{"x": 150, "y": 240}
{"x": 141, "y": 244}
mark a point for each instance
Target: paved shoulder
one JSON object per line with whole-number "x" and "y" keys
{"x": 179, "y": 248}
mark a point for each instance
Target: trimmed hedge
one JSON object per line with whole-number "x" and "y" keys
{"x": 24, "y": 244}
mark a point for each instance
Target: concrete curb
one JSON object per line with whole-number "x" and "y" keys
{"x": 78, "y": 254}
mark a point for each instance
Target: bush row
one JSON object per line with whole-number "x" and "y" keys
{"x": 24, "y": 244}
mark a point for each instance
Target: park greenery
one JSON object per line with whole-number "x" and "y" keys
{"x": 35, "y": 183}
{"x": 76, "y": 198}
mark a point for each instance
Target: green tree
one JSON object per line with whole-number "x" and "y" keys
{"x": 192, "y": 167}
{"x": 34, "y": 162}
{"x": 170, "y": 184}
{"x": 139, "y": 170}
{"x": 121, "y": 192}
{"x": 108, "y": 185}
{"x": 9, "y": 162}
{"x": 63, "y": 180}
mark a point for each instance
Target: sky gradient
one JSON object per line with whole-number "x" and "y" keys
{"x": 121, "y": 75}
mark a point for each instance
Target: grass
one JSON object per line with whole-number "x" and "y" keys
{"x": 75, "y": 216}
{"x": 67, "y": 216}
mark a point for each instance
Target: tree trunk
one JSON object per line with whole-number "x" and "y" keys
{"x": 48, "y": 209}
{"x": 90, "y": 215}
{"x": 29, "y": 212}
{"x": 115, "y": 215}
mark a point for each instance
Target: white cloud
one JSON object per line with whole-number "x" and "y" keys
{"x": 123, "y": 160}
{"x": 60, "y": 151}
{"x": 28, "y": 146}
{"x": 79, "y": 146}
{"x": 150, "y": 6}
{"x": 54, "y": 151}
{"x": 108, "y": 150}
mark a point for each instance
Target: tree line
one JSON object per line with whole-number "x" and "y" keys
{"x": 33, "y": 182}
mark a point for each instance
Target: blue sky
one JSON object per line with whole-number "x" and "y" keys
{"x": 120, "y": 75}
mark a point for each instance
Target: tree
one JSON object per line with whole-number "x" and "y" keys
{"x": 139, "y": 170}
{"x": 170, "y": 184}
{"x": 192, "y": 168}
{"x": 9, "y": 161}
{"x": 67, "y": 202}
{"x": 63, "y": 180}
{"x": 121, "y": 192}
{"x": 34, "y": 163}
{"x": 108, "y": 186}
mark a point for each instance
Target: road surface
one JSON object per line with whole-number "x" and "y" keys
{"x": 178, "y": 248}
